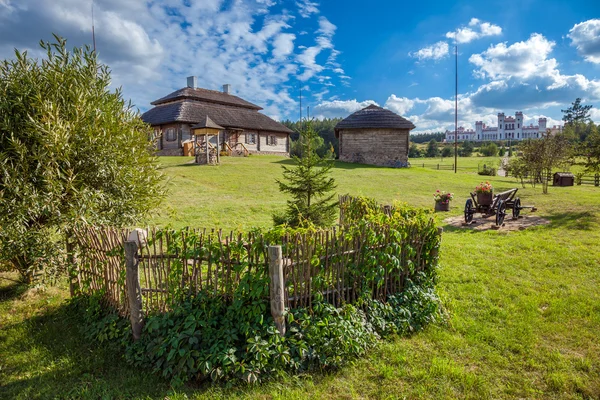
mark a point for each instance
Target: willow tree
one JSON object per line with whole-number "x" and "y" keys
{"x": 71, "y": 150}
{"x": 310, "y": 185}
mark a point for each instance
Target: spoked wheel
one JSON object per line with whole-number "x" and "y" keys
{"x": 500, "y": 213}
{"x": 469, "y": 211}
{"x": 517, "y": 208}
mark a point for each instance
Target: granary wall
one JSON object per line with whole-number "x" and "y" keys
{"x": 383, "y": 147}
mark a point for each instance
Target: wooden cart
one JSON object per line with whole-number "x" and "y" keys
{"x": 500, "y": 203}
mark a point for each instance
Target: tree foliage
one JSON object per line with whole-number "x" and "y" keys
{"x": 577, "y": 113}
{"x": 466, "y": 149}
{"x": 325, "y": 129}
{"x": 309, "y": 184}
{"x": 413, "y": 151}
{"x": 447, "y": 151}
{"x": 541, "y": 156}
{"x": 426, "y": 137}
{"x": 432, "y": 148}
{"x": 591, "y": 151}
{"x": 71, "y": 150}
{"x": 489, "y": 149}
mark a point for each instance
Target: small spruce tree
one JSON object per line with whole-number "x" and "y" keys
{"x": 309, "y": 184}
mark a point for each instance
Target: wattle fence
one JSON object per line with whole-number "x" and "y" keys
{"x": 337, "y": 265}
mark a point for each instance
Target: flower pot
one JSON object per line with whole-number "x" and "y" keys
{"x": 439, "y": 206}
{"x": 485, "y": 199}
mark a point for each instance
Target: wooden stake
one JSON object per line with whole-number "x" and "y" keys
{"x": 134, "y": 292}
{"x": 277, "y": 287}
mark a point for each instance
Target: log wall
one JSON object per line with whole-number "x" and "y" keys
{"x": 383, "y": 147}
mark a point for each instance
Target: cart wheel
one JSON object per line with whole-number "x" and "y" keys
{"x": 517, "y": 208}
{"x": 469, "y": 211}
{"x": 500, "y": 213}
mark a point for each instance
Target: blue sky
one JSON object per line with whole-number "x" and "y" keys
{"x": 530, "y": 56}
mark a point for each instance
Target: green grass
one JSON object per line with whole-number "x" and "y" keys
{"x": 524, "y": 307}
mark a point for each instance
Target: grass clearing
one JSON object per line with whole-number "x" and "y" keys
{"x": 524, "y": 306}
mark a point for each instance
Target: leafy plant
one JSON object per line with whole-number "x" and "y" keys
{"x": 71, "y": 150}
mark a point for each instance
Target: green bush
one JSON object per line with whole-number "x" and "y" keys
{"x": 204, "y": 338}
{"x": 71, "y": 150}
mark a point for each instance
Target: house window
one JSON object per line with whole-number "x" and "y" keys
{"x": 272, "y": 140}
{"x": 171, "y": 136}
{"x": 250, "y": 138}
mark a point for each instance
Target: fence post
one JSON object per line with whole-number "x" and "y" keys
{"x": 438, "y": 166}
{"x": 134, "y": 292}
{"x": 72, "y": 264}
{"x": 277, "y": 287}
{"x": 596, "y": 180}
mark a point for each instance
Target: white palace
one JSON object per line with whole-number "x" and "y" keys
{"x": 508, "y": 128}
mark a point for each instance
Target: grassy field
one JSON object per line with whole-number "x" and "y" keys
{"x": 524, "y": 306}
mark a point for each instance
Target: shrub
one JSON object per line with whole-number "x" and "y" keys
{"x": 71, "y": 150}
{"x": 204, "y": 338}
{"x": 487, "y": 170}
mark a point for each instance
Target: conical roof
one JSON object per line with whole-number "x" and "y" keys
{"x": 207, "y": 123}
{"x": 374, "y": 117}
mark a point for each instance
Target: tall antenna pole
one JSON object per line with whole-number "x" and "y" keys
{"x": 93, "y": 31}
{"x": 456, "y": 108}
{"x": 300, "y": 107}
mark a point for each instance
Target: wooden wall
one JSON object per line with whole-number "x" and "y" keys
{"x": 383, "y": 147}
{"x": 183, "y": 132}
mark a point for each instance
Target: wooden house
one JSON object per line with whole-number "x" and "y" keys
{"x": 374, "y": 136}
{"x": 245, "y": 130}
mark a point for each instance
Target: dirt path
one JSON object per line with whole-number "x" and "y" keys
{"x": 483, "y": 224}
{"x": 501, "y": 171}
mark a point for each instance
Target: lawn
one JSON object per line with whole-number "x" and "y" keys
{"x": 524, "y": 307}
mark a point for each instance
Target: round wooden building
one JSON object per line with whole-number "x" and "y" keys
{"x": 374, "y": 136}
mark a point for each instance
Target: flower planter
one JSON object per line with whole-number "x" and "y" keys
{"x": 485, "y": 199}
{"x": 442, "y": 206}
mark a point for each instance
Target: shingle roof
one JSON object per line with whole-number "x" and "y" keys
{"x": 206, "y": 95}
{"x": 193, "y": 112}
{"x": 374, "y": 117}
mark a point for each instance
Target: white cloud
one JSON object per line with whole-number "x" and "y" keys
{"x": 585, "y": 36}
{"x": 283, "y": 45}
{"x": 436, "y": 51}
{"x": 324, "y": 42}
{"x": 306, "y": 8}
{"x": 523, "y": 75}
{"x": 339, "y": 108}
{"x": 326, "y": 27}
{"x": 522, "y": 59}
{"x": 399, "y": 105}
{"x": 476, "y": 30}
{"x": 595, "y": 115}
{"x": 152, "y": 46}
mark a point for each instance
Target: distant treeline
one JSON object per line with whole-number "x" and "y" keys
{"x": 426, "y": 137}
{"x": 325, "y": 129}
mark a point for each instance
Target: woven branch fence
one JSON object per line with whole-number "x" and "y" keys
{"x": 338, "y": 265}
